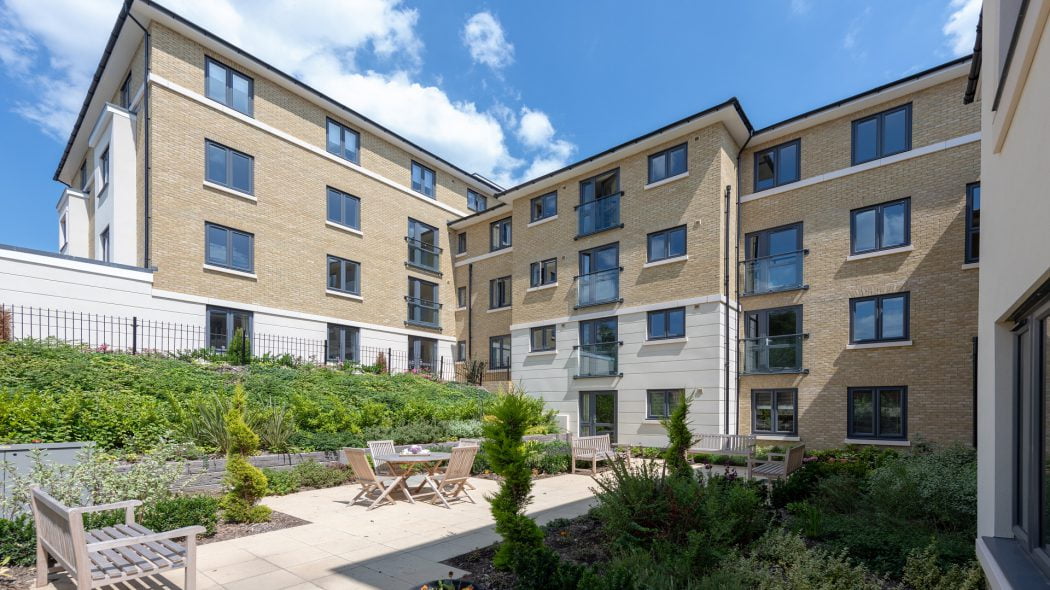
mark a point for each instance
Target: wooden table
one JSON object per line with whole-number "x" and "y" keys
{"x": 403, "y": 465}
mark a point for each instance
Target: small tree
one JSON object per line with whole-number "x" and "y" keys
{"x": 679, "y": 438}
{"x": 240, "y": 350}
{"x": 245, "y": 482}
{"x": 380, "y": 364}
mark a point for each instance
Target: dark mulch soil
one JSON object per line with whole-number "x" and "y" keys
{"x": 580, "y": 540}
{"x": 18, "y": 577}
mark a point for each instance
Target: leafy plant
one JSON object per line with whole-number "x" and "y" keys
{"x": 679, "y": 437}
{"x": 246, "y": 484}
{"x": 807, "y": 519}
{"x": 312, "y": 474}
{"x": 475, "y": 371}
{"x": 180, "y": 511}
{"x": 275, "y": 427}
{"x": 280, "y": 482}
{"x": 18, "y": 540}
{"x": 239, "y": 351}
{"x": 923, "y": 570}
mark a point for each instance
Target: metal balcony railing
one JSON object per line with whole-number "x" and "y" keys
{"x": 598, "y": 287}
{"x": 598, "y": 360}
{"x": 779, "y": 272}
{"x": 423, "y": 254}
{"x": 423, "y": 312}
{"x": 599, "y": 214}
{"x": 773, "y": 354}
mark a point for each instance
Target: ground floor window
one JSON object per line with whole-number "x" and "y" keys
{"x": 223, "y": 326}
{"x": 877, "y": 412}
{"x": 342, "y": 343}
{"x": 598, "y": 413}
{"x": 660, "y": 402}
{"x": 461, "y": 351}
{"x": 422, "y": 353}
{"x": 773, "y": 411}
{"x": 499, "y": 352}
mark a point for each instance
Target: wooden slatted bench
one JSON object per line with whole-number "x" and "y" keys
{"x": 742, "y": 445}
{"x": 593, "y": 449}
{"x": 780, "y": 468}
{"x": 108, "y": 555}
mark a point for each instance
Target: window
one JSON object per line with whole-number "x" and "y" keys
{"x": 83, "y": 176}
{"x": 778, "y": 165}
{"x": 773, "y": 259}
{"x": 542, "y": 338}
{"x": 499, "y": 292}
{"x": 599, "y": 280}
{"x": 343, "y": 141}
{"x": 669, "y": 243}
{"x": 423, "y": 180}
{"x": 461, "y": 296}
{"x": 880, "y": 227}
{"x": 228, "y": 86}
{"x": 423, "y": 306}
{"x": 228, "y": 167}
{"x": 103, "y": 246}
{"x": 423, "y": 251}
{"x": 63, "y": 234}
{"x": 499, "y": 352}
{"x": 773, "y": 411}
{"x": 599, "y": 348}
{"x": 973, "y": 222}
{"x": 499, "y": 232}
{"x": 599, "y": 207}
{"x": 877, "y": 412}
{"x": 228, "y": 248}
{"x": 773, "y": 340}
{"x": 344, "y": 209}
{"x": 224, "y": 324}
{"x": 344, "y": 275}
{"x": 668, "y": 163}
{"x": 461, "y": 243}
{"x": 666, "y": 323}
{"x": 543, "y": 206}
{"x": 103, "y": 169}
{"x": 543, "y": 273}
{"x": 476, "y": 202}
{"x": 461, "y": 351}
{"x": 125, "y": 93}
{"x": 883, "y": 318}
{"x": 422, "y": 353}
{"x": 343, "y": 344}
{"x": 882, "y": 134}
{"x": 660, "y": 403}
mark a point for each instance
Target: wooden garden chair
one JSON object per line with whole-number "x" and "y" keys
{"x": 371, "y": 483}
{"x": 469, "y": 442}
{"x": 779, "y": 468}
{"x": 591, "y": 449}
{"x": 379, "y": 448}
{"x": 453, "y": 482}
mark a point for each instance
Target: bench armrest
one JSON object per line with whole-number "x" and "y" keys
{"x": 114, "y": 506}
{"x": 781, "y": 455}
{"x": 186, "y": 531}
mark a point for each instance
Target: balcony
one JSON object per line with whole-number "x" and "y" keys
{"x": 598, "y": 215}
{"x": 773, "y": 354}
{"x": 598, "y": 360}
{"x": 424, "y": 255}
{"x": 769, "y": 274}
{"x": 599, "y": 287}
{"x": 423, "y": 313}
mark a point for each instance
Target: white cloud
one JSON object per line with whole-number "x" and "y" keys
{"x": 483, "y": 36}
{"x": 534, "y": 128}
{"x": 800, "y": 7}
{"x": 536, "y": 132}
{"x": 961, "y": 28}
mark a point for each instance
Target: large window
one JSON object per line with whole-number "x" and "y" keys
{"x": 661, "y": 402}
{"x": 461, "y": 351}
{"x": 778, "y": 165}
{"x": 344, "y": 275}
{"x": 543, "y": 273}
{"x": 423, "y": 306}
{"x": 500, "y": 234}
{"x": 773, "y": 411}
{"x": 882, "y": 318}
{"x": 229, "y": 248}
{"x": 773, "y": 259}
{"x": 543, "y": 206}
{"x": 499, "y": 292}
{"x": 422, "y": 353}
{"x": 773, "y": 340}
{"x": 344, "y": 209}
{"x": 105, "y": 253}
{"x": 499, "y": 352}
{"x": 461, "y": 242}
{"x": 343, "y": 141}
{"x": 668, "y": 243}
{"x": 882, "y": 134}
{"x": 666, "y": 323}
{"x": 476, "y": 201}
{"x": 228, "y": 167}
{"x": 461, "y": 297}
{"x": 599, "y": 348}
{"x": 973, "y": 222}
{"x": 423, "y": 180}
{"x": 423, "y": 249}
{"x": 668, "y": 163}
{"x": 342, "y": 343}
{"x": 599, "y": 280}
{"x": 599, "y": 207}
{"x": 880, "y": 227}
{"x": 228, "y": 86}
{"x": 877, "y": 412}
{"x": 224, "y": 324}
{"x": 542, "y": 338}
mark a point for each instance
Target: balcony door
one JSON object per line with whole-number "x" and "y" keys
{"x": 599, "y": 348}
{"x": 422, "y": 353}
{"x": 599, "y": 280}
{"x": 598, "y": 413}
{"x": 423, "y": 250}
{"x": 774, "y": 259}
{"x": 599, "y": 207}
{"x": 773, "y": 341}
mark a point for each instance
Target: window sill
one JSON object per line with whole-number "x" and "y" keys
{"x": 541, "y": 287}
{"x": 494, "y": 310}
{"x": 464, "y": 308}
{"x": 666, "y": 261}
{"x": 230, "y": 191}
{"x": 886, "y": 252}
{"x": 542, "y": 221}
{"x": 541, "y": 353}
{"x": 682, "y": 340}
{"x": 1007, "y": 565}
{"x": 345, "y": 228}
{"x": 895, "y": 344}
{"x": 667, "y": 180}
{"x": 344, "y": 295}
{"x": 459, "y": 254}
{"x": 877, "y": 441}
{"x": 231, "y": 272}
{"x": 971, "y": 265}
{"x": 653, "y": 421}
{"x": 780, "y": 437}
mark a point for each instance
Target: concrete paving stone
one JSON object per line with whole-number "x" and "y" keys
{"x": 275, "y": 580}
{"x": 318, "y": 568}
{"x": 240, "y": 571}
{"x": 269, "y": 544}
{"x": 221, "y": 554}
{"x": 298, "y": 556}
{"x": 359, "y": 578}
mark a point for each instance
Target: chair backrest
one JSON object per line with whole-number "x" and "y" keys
{"x": 460, "y": 464}
{"x": 600, "y": 442}
{"x": 740, "y": 443}
{"x": 358, "y": 460}
{"x": 469, "y": 442}
{"x": 59, "y": 528}
{"x": 381, "y": 447}
{"x": 794, "y": 458}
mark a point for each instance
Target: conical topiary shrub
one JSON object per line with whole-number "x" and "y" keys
{"x": 245, "y": 483}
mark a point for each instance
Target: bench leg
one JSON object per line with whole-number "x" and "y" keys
{"x": 573, "y": 459}
{"x": 191, "y": 563}
{"x": 41, "y": 565}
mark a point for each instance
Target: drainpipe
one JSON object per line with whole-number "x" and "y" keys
{"x": 725, "y": 370}
{"x": 736, "y": 266}
{"x": 146, "y": 143}
{"x": 470, "y": 310}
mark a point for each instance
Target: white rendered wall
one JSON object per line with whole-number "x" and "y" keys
{"x": 115, "y": 203}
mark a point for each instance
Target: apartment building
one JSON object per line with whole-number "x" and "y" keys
{"x": 833, "y": 254}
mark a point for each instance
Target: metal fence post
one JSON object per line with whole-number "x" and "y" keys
{"x": 441, "y": 368}
{"x": 389, "y": 360}
{"x": 244, "y": 353}
{"x": 134, "y": 335}
{"x": 324, "y": 361}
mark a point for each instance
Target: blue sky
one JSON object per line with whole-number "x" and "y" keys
{"x": 508, "y": 89}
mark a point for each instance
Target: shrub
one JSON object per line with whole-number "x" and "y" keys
{"x": 206, "y": 423}
{"x": 882, "y": 542}
{"x": 240, "y": 349}
{"x": 180, "y": 511}
{"x": 326, "y": 441}
{"x": 804, "y": 483}
{"x": 423, "y": 432}
{"x": 275, "y": 427}
{"x": 18, "y": 540}
{"x": 312, "y": 474}
{"x": 924, "y": 572}
{"x": 245, "y": 482}
{"x": 679, "y": 438}
{"x": 280, "y": 482}
{"x": 457, "y": 429}
{"x": 938, "y": 487}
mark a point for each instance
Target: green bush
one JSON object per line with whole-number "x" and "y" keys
{"x": 180, "y": 511}
{"x": 924, "y": 571}
{"x": 326, "y": 441}
{"x": 240, "y": 350}
{"x": 315, "y": 475}
{"x": 882, "y": 542}
{"x": 804, "y": 483}
{"x": 679, "y": 437}
{"x": 280, "y": 482}
{"x": 406, "y": 434}
{"x": 938, "y": 487}
{"x": 18, "y": 540}
{"x": 245, "y": 483}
